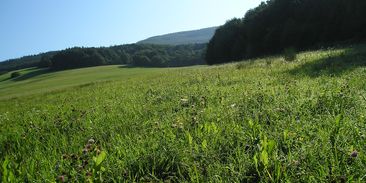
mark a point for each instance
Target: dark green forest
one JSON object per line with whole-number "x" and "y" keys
{"x": 23, "y": 62}
{"x": 139, "y": 55}
{"x": 277, "y": 25}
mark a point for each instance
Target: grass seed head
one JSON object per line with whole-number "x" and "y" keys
{"x": 91, "y": 141}
{"x": 354, "y": 154}
{"x": 85, "y": 163}
{"x": 74, "y": 156}
{"x": 61, "y": 178}
{"x": 85, "y": 151}
{"x": 88, "y": 146}
{"x": 89, "y": 174}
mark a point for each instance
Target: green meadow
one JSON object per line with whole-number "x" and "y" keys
{"x": 261, "y": 120}
{"x": 38, "y": 81}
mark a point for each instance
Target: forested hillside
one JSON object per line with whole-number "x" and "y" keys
{"x": 134, "y": 55}
{"x": 170, "y": 50}
{"x": 23, "y": 62}
{"x": 276, "y": 25}
{"x": 144, "y": 55}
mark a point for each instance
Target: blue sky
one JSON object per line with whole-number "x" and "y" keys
{"x": 34, "y": 26}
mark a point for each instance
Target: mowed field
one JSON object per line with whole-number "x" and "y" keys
{"x": 263, "y": 120}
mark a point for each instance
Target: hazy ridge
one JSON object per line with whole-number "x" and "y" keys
{"x": 185, "y": 37}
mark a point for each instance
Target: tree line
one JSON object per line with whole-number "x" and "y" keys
{"x": 141, "y": 55}
{"x": 23, "y": 62}
{"x": 276, "y": 25}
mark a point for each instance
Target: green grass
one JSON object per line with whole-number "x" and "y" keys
{"x": 33, "y": 80}
{"x": 263, "y": 120}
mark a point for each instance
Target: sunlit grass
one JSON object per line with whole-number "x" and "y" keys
{"x": 265, "y": 120}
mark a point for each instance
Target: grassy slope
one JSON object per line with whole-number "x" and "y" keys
{"x": 35, "y": 80}
{"x": 263, "y": 120}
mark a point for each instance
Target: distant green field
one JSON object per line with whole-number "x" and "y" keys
{"x": 263, "y": 120}
{"x": 35, "y": 80}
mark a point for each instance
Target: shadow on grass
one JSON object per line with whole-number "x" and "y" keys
{"x": 133, "y": 66}
{"x": 5, "y": 79}
{"x": 126, "y": 66}
{"x": 159, "y": 67}
{"x": 3, "y": 72}
{"x": 333, "y": 64}
{"x": 32, "y": 72}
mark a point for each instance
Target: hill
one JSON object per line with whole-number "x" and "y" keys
{"x": 23, "y": 62}
{"x": 176, "y": 49}
{"x": 142, "y": 55}
{"x": 278, "y": 25}
{"x": 264, "y": 120}
{"x": 186, "y": 37}
{"x": 38, "y": 81}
